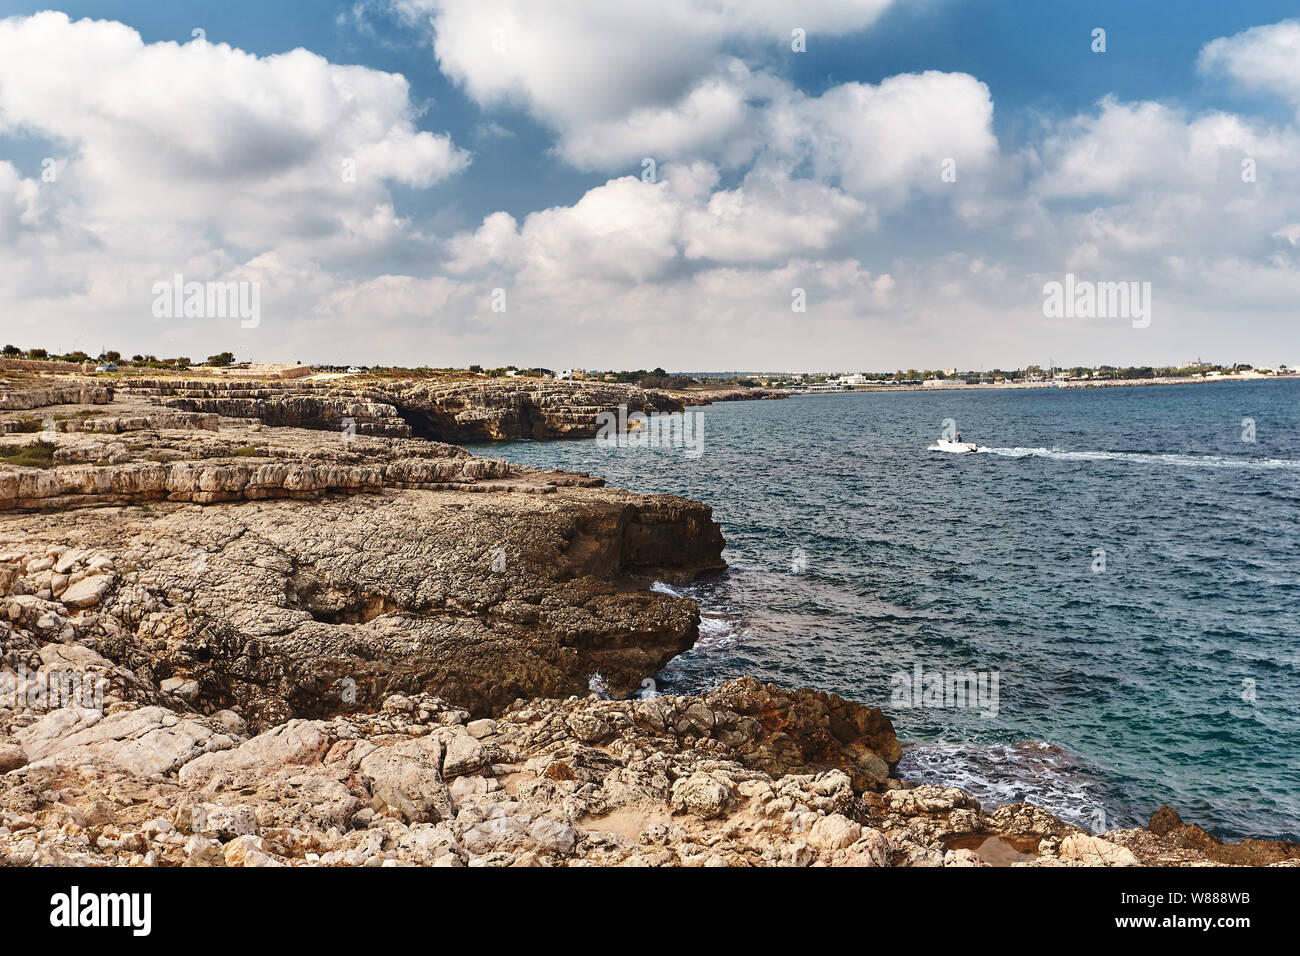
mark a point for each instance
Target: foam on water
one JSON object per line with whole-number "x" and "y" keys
{"x": 717, "y": 626}
{"x": 1031, "y": 771}
{"x": 1171, "y": 458}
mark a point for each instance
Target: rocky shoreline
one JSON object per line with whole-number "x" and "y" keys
{"x": 231, "y": 638}
{"x": 435, "y": 410}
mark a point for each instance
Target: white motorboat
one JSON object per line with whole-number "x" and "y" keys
{"x": 955, "y": 447}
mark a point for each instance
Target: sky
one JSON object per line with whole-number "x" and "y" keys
{"x": 694, "y": 184}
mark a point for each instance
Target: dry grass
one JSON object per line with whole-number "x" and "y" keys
{"x": 38, "y": 454}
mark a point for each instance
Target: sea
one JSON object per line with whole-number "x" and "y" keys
{"x": 1098, "y": 611}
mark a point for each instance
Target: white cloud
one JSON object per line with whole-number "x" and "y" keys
{"x": 1265, "y": 58}
{"x": 631, "y": 231}
{"x": 207, "y": 160}
{"x": 714, "y": 119}
{"x": 200, "y": 159}
{"x": 770, "y": 218}
{"x": 890, "y": 140}
{"x": 621, "y": 81}
{"x": 572, "y": 60}
{"x": 20, "y": 203}
{"x": 884, "y": 141}
{"x": 211, "y": 137}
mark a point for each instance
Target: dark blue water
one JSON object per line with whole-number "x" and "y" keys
{"x": 1171, "y": 675}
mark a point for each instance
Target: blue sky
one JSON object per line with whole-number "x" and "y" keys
{"x": 776, "y": 170}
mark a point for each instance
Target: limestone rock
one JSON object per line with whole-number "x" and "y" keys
{"x": 404, "y": 780}
{"x": 12, "y": 756}
{"x": 702, "y": 794}
{"x": 228, "y": 822}
{"x": 1094, "y": 851}
{"x": 295, "y": 742}
{"x": 87, "y": 591}
{"x": 146, "y": 741}
{"x": 465, "y": 755}
{"x": 834, "y": 832}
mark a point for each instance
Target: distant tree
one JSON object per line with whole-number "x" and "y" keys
{"x": 12, "y": 350}
{"x": 137, "y": 358}
{"x": 220, "y": 360}
{"x": 112, "y": 356}
{"x": 77, "y": 356}
{"x": 37, "y": 353}
{"x": 476, "y": 368}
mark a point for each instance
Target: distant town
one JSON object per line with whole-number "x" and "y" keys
{"x": 113, "y": 362}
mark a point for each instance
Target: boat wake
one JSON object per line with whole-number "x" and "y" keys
{"x": 1180, "y": 461}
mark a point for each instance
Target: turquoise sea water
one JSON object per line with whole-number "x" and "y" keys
{"x": 1169, "y": 675}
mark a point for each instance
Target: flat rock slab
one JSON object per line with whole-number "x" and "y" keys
{"x": 87, "y": 591}
{"x": 297, "y": 742}
{"x": 147, "y": 741}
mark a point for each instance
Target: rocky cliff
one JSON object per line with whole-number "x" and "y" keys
{"x": 287, "y": 608}
{"x": 453, "y": 411}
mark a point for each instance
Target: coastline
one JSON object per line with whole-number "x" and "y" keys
{"x": 386, "y": 645}
{"x": 1019, "y": 386}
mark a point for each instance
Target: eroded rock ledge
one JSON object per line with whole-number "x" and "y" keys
{"x": 336, "y": 568}
{"x": 457, "y": 411}
{"x": 294, "y": 609}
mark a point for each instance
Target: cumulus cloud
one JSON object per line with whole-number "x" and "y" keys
{"x": 631, "y": 231}
{"x": 196, "y": 158}
{"x": 572, "y": 59}
{"x": 208, "y": 160}
{"x": 714, "y": 119}
{"x": 1265, "y": 58}
{"x": 211, "y": 136}
{"x": 20, "y": 203}
{"x": 619, "y": 79}
{"x": 884, "y": 141}
{"x": 892, "y": 139}
{"x": 1158, "y": 180}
